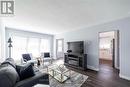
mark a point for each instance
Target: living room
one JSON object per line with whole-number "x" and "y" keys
{"x": 56, "y": 43}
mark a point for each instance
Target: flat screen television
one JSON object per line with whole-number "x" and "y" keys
{"x": 76, "y": 47}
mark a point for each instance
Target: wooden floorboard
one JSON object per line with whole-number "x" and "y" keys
{"x": 106, "y": 77}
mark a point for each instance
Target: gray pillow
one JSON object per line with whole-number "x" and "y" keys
{"x": 8, "y": 76}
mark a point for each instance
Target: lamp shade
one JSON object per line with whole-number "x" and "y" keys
{"x": 9, "y": 40}
{"x": 10, "y": 45}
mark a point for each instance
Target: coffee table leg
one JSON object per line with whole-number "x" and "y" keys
{"x": 47, "y": 69}
{"x": 61, "y": 77}
{"x": 70, "y": 73}
{"x": 53, "y": 73}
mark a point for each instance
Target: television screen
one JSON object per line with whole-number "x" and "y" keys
{"x": 76, "y": 47}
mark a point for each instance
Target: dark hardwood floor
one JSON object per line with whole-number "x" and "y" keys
{"x": 105, "y": 62}
{"x": 106, "y": 77}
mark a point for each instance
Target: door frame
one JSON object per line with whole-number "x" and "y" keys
{"x": 57, "y": 46}
{"x": 117, "y": 50}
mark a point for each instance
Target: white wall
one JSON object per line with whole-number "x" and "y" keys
{"x": 91, "y": 36}
{"x": 2, "y": 41}
{"x": 10, "y": 32}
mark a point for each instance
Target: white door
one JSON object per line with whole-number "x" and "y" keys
{"x": 60, "y": 48}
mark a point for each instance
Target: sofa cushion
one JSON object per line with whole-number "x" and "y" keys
{"x": 8, "y": 76}
{"x": 38, "y": 78}
{"x": 25, "y": 71}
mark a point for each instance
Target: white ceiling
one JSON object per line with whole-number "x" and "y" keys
{"x": 58, "y": 16}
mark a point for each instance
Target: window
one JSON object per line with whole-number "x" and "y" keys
{"x": 33, "y": 46}
{"x": 19, "y": 47}
{"x": 60, "y": 49}
{"x": 45, "y": 45}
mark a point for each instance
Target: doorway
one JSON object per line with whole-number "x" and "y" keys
{"x": 59, "y": 48}
{"x": 109, "y": 49}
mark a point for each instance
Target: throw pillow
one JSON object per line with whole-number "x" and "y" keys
{"x": 25, "y": 71}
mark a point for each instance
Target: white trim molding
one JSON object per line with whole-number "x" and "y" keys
{"x": 92, "y": 68}
{"x": 124, "y": 77}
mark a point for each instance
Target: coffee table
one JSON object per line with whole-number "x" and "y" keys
{"x": 59, "y": 72}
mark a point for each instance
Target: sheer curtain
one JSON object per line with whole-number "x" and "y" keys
{"x": 19, "y": 47}
{"x": 44, "y": 46}
{"x": 33, "y": 46}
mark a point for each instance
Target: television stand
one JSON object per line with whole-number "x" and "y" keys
{"x": 76, "y": 60}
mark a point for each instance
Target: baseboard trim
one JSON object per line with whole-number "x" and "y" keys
{"x": 124, "y": 77}
{"x": 117, "y": 67}
{"x": 92, "y": 68}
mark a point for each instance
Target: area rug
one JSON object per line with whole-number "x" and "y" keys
{"x": 76, "y": 80}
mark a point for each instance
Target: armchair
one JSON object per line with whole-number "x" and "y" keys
{"x": 28, "y": 59}
{"x": 46, "y": 57}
